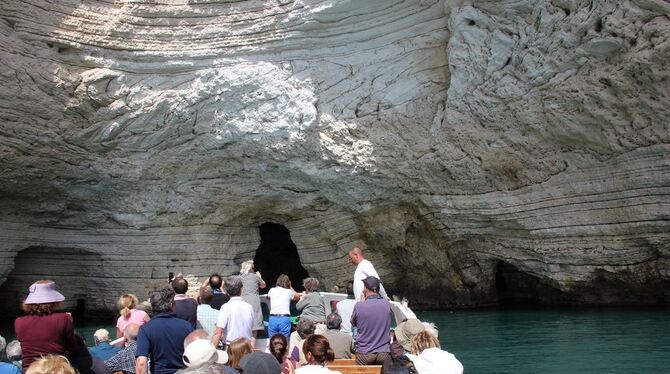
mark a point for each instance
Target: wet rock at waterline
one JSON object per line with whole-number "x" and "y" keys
{"x": 482, "y": 152}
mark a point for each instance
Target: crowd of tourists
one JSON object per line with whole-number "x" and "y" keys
{"x": 217, "y": 331}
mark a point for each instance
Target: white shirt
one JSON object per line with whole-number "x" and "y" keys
{"x": 344, "y": 309}
{"x": 236, "y": 318}
{"x": 280, "y": 300}
{"x": 315, "y": 369}
{"x": 364, "y": 270}
{"x": 436, "y": 361}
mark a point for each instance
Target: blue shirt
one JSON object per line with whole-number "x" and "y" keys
{"x": 162, "y": 341}
{"x": 103, "y": 351}
{"x": 6, "y": 368}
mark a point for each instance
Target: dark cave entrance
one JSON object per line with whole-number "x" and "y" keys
{"x": 516, "y": 288}
{"x": 277, "y": 254}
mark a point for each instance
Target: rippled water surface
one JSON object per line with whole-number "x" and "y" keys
{"x": 557, "y": 340}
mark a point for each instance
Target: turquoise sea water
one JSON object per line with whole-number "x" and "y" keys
{"x": 548, "y": 340}
{"x": 609, "y": 340}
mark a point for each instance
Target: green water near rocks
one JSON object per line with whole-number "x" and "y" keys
{"x": 546, "y": 340}
{"x": 610, "y": 340}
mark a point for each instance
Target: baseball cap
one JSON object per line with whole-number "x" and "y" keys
{"x": 371, "y": 283}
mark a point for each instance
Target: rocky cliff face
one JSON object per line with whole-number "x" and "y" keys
{"x": 481, "y": 151}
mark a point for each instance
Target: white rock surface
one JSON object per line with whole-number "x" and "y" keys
{"x": 445, "y": 137}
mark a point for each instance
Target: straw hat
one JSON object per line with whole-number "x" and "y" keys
{"x": 405, "y": 331}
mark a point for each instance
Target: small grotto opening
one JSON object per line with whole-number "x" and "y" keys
{"x": 517, "y": 288}
{"x": 78, "y": 274}
{"x": 277, "y": 254}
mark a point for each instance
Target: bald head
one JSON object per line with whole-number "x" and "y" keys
{"x": 130, "y": 332}
{"x": 195, "y": 335}
{"x": 356, "y": 255}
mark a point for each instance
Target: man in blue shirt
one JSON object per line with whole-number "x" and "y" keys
{"x": 162, "y": 338}
{"x": 102, "y": 350}
{"x": 7, "y": 368}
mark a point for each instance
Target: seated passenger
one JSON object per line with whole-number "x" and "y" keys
{"x": 317, "y": 351}
{"x": 279, "y": 349}
{"x": 340, "y": 342}
{"x": 259, "y": 363}
{"x": 237, "y": 349}
{"x": 102, "y": 350}
{"x": 51, "y": 364}
{"x": 428, "y": 358}
{"x": 304, "y": 329}
{"x": 7, "y": 368}
{"x": 124, "y": 360}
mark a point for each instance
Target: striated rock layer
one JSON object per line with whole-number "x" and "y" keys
{"x": 481, "y": 152}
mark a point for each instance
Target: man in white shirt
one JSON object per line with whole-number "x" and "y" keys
{"x": 346, "y": 307}
{"x": 236, "y": 317}
{"x": 364, "y": 269}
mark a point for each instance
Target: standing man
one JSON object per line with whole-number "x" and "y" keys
{"x": 364, "y": 269}
{"x": 184, "y": 307}
{"x": 372, "y": 318}
{"x": 207, "y": 315}
{"x": 236, "y": 317}
{"x": 162, "y": 338}
{"x": 219, "y": 297}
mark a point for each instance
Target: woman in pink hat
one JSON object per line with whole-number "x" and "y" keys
{"x": 43, "y": 331}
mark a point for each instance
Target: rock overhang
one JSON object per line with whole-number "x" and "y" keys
{"x": 473, "y": 133}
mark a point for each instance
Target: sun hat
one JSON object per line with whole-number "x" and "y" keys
{"x": 371, "y": 283}
{"x": 199, "y": 352}
{"x": 260, "y": 363}
{"x": 406, "y": 330}
{"x": 43, "y": 293}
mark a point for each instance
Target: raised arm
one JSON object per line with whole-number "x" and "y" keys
{"x": 262, "y": 282}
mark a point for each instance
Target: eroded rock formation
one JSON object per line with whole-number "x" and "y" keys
{"x": 478, "y": 150}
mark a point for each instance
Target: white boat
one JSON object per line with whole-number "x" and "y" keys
{"x": 401, "y": 311}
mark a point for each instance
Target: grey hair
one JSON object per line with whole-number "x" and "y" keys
{"x": 3, "y": 343}
{"x": 162, "y": 300}
{"x": 206, "y": 295}
{"x": 305, "y": 327}
{"x": 311, "y": 284}
{"x": 247, "y": 267}
{"x": 14, "y": 350}
{"x": 333, "y": 321}
{"x": 233, "y": 285}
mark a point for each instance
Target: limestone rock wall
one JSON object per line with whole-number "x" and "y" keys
{"x": 451, "y": 139}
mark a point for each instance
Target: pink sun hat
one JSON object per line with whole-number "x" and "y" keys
{"x": 43, "y": 293}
